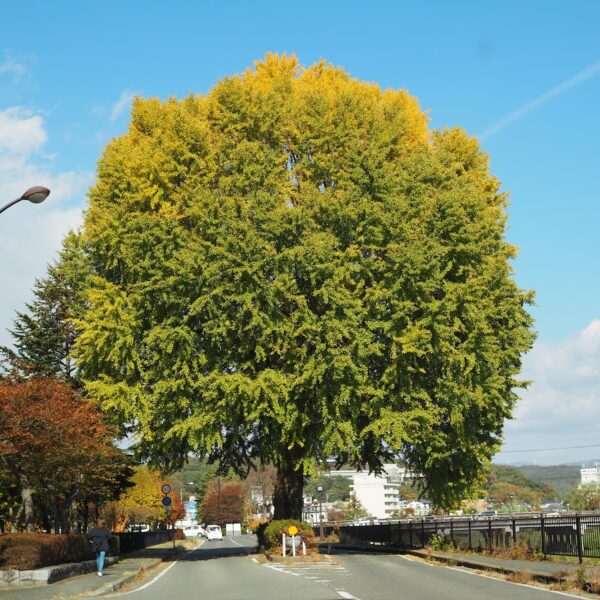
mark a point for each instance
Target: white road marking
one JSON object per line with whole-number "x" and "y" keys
{"x": 146, "y": 584}
{"x": 155, "y": 579}
{"x": 324, "y": 582}
{"x": 281, "y": 569}
{"x": 531, "y": 587}
{"x": 422, "y": 562}
{"x": 236, "y": 543}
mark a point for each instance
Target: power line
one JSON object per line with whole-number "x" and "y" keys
{"x": 548, "y": 449}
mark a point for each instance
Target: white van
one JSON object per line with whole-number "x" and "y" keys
{"x": 213, "y": 532}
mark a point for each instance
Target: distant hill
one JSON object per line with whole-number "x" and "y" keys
{"x": 561, "y": 478}
{"x": 508, "y": 485}
{"x": 591, "y": 462}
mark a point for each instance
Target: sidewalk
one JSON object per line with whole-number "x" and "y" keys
{"x": 115, "y": 577}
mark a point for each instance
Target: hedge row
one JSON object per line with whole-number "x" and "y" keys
{"x": 24, "y": 551}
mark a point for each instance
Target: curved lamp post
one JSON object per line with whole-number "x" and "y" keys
{"x": 35, "y": 194}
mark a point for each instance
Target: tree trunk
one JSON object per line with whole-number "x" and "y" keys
{"x": 287, "y": 496}
{"x": 55, "y": 506}
{"x": 27, "y": 500}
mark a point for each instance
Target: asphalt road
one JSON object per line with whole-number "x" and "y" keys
{"x": 225, "y": 571}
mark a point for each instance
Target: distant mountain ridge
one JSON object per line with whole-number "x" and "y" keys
{"x": 561, "y": 478}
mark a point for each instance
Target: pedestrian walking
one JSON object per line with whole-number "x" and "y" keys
{"x": 98, "y": 537}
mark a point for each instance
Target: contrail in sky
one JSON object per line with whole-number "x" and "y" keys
{"x": 582, "y": 76}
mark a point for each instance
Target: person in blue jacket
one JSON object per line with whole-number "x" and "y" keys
{"x": 98, "y": 537}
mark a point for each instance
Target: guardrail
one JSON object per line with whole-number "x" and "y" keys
{"x": 574, "y": 535}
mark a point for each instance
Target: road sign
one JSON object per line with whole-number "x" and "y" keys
{"x": 166, "y": 488}
{"x": 166, "y": 501}
{"x": 292, "y": 530}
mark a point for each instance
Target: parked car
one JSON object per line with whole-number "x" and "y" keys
{"x": 194, "y": 531}
{"x": 213, "y": 532}
{"x": 139, "y": 527}
{"x": 487, "y": 514}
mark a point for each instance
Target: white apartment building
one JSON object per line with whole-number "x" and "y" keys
{"x": 379, "y": 494}
{"x": 590, "y": 475}
{"x": 376, "y": 493}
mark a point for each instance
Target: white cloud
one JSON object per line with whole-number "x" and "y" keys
{"x": 122, "y": 104}
{"x": 21, "y": 131}
{"x": 30, "y": 235}
{"x": 562, "y": 407}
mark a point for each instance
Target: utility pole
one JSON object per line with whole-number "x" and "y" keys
{"x": 320, "y": 490}
{"x": 218, "y": 500}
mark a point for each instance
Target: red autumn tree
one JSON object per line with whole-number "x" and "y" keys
{"x": 58, "y": 448}
{"x": 224, "y": 503}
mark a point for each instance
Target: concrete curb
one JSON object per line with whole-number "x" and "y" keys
{"x": 51, "y": 574}
{"x": 473, "y": 563}
{"x": 122, "y": 581}
{"x": 361, "y": 548}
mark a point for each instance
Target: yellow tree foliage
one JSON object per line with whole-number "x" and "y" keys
{"x": 142, "y": 503}
{"x": 293, "y": 268}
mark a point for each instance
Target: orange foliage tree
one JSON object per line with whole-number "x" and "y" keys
{"x": 59, "y": 450}
{"x": 224, "y": 503}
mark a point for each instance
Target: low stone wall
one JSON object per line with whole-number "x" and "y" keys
{"x": 36, "y": 577}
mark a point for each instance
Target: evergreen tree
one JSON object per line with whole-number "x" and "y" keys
{"x": 294, "y": 268}
{"x": 44, "y": 335}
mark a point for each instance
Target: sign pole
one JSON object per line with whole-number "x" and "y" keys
{"x": 166, "y": 490}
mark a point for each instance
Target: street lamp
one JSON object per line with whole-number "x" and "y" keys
{"x": 35, "y": 194}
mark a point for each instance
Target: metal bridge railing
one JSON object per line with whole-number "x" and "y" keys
{"x": 571, "y": 535}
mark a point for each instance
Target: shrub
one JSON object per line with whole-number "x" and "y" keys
{"x": 521, "y": 550}
{"x": 24, "y": 551}
{"x": 254, "y": 524}
{"x": 521, "y": 577}
{"x": 269, "y": 534}
{"x": 579, "y": 579}
{"x": 440, "y": 542}
{"x": 593, "y": 581}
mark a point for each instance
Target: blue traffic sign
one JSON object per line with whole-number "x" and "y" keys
{"x": 166, "y": 501}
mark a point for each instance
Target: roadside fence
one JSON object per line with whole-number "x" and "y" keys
{"x": 577, "y": 535}
{"x": 130, "y": 541}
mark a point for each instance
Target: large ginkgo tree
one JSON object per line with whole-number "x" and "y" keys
{"x": 294, "y": 268}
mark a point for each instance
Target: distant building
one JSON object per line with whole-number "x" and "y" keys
{"x": 191, "y": 513}
{"x": 590, "y": 476}
{"x": 379, "y": 494}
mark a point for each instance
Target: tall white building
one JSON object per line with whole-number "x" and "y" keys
{"x": 379, "y": 494}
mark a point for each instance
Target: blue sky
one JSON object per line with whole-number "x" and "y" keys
{"x": 69, "y": 69}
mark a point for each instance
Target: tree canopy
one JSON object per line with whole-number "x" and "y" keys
{"x": 293, "y": 267}
{"x": 56, "y": 450}
{"x": 45, "y": 334}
